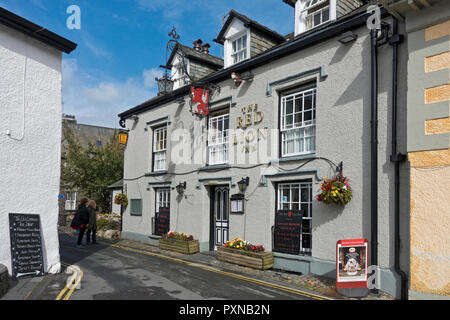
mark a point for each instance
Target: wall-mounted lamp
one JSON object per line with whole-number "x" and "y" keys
{"x": 347, "y": 37}
{"x": 181, "y": 187}
{"x": 122, "y": 136}
{"x": 243, "y": 184}
{"x": 238, "y": 78}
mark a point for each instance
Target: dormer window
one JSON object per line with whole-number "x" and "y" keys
{"x": 179, "y": 76}
{"x": 317, "y": 12}
{"x": 313, "y": 13}
{"x": 239, "y": 49}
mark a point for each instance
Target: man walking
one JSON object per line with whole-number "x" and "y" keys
{"x": 92, "y": 225}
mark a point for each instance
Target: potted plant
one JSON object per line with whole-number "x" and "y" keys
{"x": 244, "y": 253}
{"x": 121, "y": 199}
{"x": 336, "y": 190}
{"x": 179, "y": 242}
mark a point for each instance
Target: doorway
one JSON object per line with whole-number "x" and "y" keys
{"x": 220, "y": 216}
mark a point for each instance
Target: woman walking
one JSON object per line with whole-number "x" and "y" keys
{"x": 92, "y": 225}
{"x": 81, "y": 220}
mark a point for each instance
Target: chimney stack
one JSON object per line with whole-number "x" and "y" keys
{"x": 198, "y": 45}
{"x": 205, "y": 48}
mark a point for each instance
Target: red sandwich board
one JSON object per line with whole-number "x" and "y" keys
{"x": 351, "y": 263}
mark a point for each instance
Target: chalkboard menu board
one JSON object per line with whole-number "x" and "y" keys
{"x": 288, "y": 224}
{"x": 162, "y": 221}
{"x": 26, "y": 245}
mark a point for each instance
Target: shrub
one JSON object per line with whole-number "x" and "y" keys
{"x": 105, "y": 224}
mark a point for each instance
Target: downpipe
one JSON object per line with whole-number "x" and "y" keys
{"x": 379, "y": 38}
{"x": 397, "y": 158}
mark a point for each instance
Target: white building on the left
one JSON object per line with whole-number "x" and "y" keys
{"x": 30, "y": 130}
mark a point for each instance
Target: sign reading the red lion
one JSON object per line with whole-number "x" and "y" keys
{"x": 200, "y": 101}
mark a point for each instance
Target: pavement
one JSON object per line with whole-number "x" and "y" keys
{"x": 126, "y": 269}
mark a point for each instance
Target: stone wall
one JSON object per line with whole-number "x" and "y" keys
{"x": 346, "y": 6}
{"x": 198, "y": 70}
{"x": 259, "y": 43}
{"x": 4, "y": 280}
{"x": 430, "y": 169}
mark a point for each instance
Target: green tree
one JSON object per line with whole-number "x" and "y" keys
{"x": 92, "y": 169}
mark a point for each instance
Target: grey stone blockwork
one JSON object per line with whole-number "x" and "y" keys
{"x": 4, "y": 280}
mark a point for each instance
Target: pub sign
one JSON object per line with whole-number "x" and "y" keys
{"x": 351, "y": 263}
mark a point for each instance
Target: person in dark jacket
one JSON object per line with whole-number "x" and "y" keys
{"x": 81, "y": 220}
{"x": 92, "y": 225}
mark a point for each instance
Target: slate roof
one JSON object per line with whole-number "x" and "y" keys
{"x": 248, "y": 23}
{"x": 191, "y": 53}
{"x": 35, "y": 31}
{"x": 116, "y": 185}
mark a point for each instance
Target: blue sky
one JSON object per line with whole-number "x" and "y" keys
{"x": 121, "y": 44}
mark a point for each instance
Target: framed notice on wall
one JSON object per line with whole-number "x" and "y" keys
{"x": 237, "y": 203}
{"x": 351, "y": 263}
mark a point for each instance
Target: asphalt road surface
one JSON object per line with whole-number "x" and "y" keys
{"x": 111, "y": 273}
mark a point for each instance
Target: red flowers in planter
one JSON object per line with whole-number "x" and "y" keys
{"x": 243, "y": 245}
{"x": 178, "y": 236}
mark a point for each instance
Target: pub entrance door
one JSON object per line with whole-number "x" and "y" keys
{"x": 220, "y": 216}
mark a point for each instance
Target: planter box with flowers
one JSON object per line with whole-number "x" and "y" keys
{"x": 245, "y": 254}
{"x": 179, "y": 242}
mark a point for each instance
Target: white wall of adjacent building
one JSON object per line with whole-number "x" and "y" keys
{"x": 30, "y": 138}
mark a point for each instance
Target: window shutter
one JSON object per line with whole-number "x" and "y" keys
{"x": 136, "y": 207}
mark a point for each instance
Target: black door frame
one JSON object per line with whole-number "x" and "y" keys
{"x": 212, "y": 225}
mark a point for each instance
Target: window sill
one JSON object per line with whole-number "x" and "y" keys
{"x": 156, "y": 173}
{"x": 154, "y": 236}
{"x": 298, "y": 157}
{"x": 215, "y": 166}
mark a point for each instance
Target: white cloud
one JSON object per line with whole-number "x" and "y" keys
{"x": 99, "y": 102}
{"x": 150, "y": 75}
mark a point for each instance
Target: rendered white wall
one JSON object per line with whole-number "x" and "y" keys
{"x": 30, "y": 166}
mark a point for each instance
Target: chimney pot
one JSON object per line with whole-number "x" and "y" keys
{"x": 205, "y": 48}
{"x": 198, "y": 45}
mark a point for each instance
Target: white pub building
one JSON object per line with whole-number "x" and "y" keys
{"x": 281, "y": 113}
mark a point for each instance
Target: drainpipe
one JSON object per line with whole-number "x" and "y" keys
{"x": 376, "y": 39}
{"x": 396, "y": 158}
{"x": 374, "y": 151}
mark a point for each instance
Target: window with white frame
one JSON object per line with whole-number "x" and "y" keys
{"x": 317, "y": 12}
{"x": 159, "y": 148}
{"x": 162, "y": 198}
{"x": 298, "y": 123}
{"x": 179, "y": 76}
{"x": 71, "y": 201}
{"x": 239, "y": 49}
{"x": 298, "y": 196}
{"x": 218, "y": 139}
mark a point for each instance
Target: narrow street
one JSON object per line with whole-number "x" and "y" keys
{"x": 112, "y": 273}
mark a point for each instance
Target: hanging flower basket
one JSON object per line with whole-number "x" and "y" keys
{"x": 336, "y": 190}
{"x": 121, "y": 199}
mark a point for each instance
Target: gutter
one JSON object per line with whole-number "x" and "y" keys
{"x": 329, "y": 31}
{"x": 35, "y": 31}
